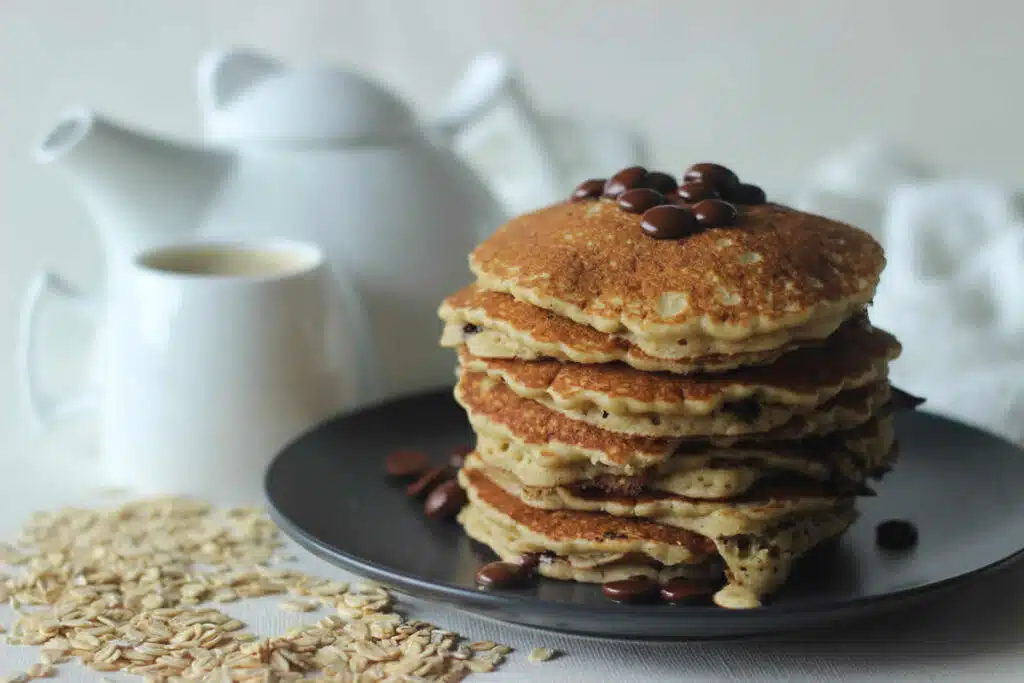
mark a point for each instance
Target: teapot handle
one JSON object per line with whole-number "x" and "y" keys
{"x": 489, "y": 81}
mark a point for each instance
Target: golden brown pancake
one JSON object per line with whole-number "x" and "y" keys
{"x": 563, "y": 530}
{"x": 544, "y": 447}
{"x": 776, "y": 275}
{"x": 497, "y": 325}
{"x": 856, "y": 355}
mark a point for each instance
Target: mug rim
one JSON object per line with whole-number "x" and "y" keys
{"x": 310, "y": 257}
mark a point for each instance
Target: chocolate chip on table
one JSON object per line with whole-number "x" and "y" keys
{"x": 635, "y": 589}
{"x": 640, "y": 199}
{"x": 714, "y": 213}
{"x": 406, "y": 463}
{"x": 896, "y": 534}
{"x": 588, "y": 189}
{"x": 626, "y": 179}
{"x": 445, "y": 501}
{"x": 662, "y": 182}
{"x": 669, "y": 222}
{"x": 504, "y": 575}
{"x": 696, "y": 191}
{"x": 687, "y": 591}
{"x": 715, "y": 175}
{"x": 458, "y": 457}
{"x": 745, "y": 193}
{"x": 427, "y": 481}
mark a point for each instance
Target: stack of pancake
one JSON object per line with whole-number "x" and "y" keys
{"x": 701, "y": 407}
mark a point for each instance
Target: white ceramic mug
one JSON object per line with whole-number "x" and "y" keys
{"x": 215, "y": 356}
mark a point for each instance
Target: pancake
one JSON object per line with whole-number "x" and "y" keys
{"x": 542, "y": 447}
{"x": 502, "y": 536}
{"x": 757, "y": 564}
{"x": 846, "y": 409}
{"x": 856, "y": 355}
{"x": 566, "y": 533}
{"x": 497, "y": 325}
{"x": 775, "y": 276}
{"x": 762, "y": 507}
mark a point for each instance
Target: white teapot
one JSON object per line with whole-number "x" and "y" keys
{"x": 314, "y": 153}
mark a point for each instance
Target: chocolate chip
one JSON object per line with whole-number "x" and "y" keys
{"x": 458, "y": 457}
{"x": 470, "y": 328}
{"x": 668, "y": 222}
{"x": 715, "y": 175}
{"x": 662, "y": 182}
{"x": 588, "y": 189}
{"x": 640, "y": 199}
{"x": 530, "y": 561}
{"x": 427, "y": 481}
{"x": 406, "y": 463}
{"x": 626, "y": 179}
{"x": 745, "y": 193}
{"x": 694, "y": 192}
{"x": 901, "y": 400}
{"x": 504, "y": 575}
{"x": 688, "y": 591}
{"x": 445, "y": 501}
{"x": 635, "y": 589}
{"x": 896, "y": 534}
{"x": 714, "y": 213}
{"x": 746, "y": 409}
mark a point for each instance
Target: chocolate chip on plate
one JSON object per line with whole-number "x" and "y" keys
{"x": 662, "y": 182}
{"x": 669, "y": 222}
{"x": 687, "y": 591}
{"x": 715, "y": 175}
{"x": 696, "y": 191}
{"x": 896, "y": 534}
{"x": 406, "y": 463}
{"x": 714, "y": 213}
{"x": 745, "y": 193}
{"x": 445, "y": 501}
{"x": 504, "y": 575}
{"x": 626, "y": 179}
{"x": 427, "y": 481}
{"x": 640, "y": 199}
{"x": 588, "y": 189}
{"x": 634, "y": 589}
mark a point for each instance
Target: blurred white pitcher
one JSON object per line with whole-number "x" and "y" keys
{"x": 216, "y": 355}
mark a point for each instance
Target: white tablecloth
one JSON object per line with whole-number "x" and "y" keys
{"x": 975, "y": 634}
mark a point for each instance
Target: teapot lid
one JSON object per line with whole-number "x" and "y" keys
{"x": 250, "y": 97}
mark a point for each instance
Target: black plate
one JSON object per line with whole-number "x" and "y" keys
{"x": 960, "y": 486}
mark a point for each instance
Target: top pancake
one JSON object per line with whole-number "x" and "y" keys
{"x": 775, "y": 271}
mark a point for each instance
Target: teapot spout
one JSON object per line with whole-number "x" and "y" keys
{"x": 141, "y": 191}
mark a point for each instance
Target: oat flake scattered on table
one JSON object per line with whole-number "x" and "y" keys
{"x": 124, "y": 590}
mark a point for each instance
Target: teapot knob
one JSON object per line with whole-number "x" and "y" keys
{"x": 225, "y": 73}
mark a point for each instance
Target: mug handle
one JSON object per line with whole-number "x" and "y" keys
{"x": 45, "y": 407}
